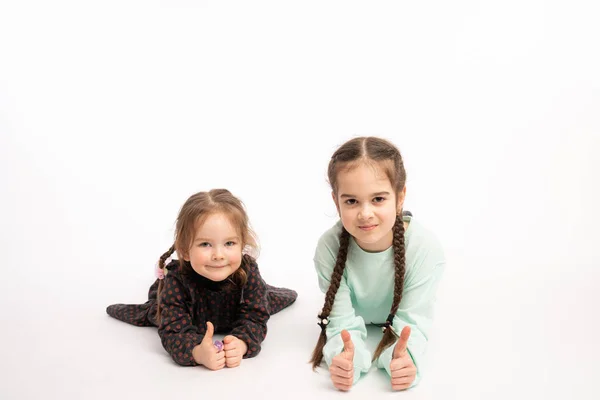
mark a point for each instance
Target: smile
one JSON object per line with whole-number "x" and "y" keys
{"x": 367, "y": 227}
{"x": 216, "y": 266}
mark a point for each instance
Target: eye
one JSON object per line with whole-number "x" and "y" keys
{"x": 378, "y": 199}
{"x": 350, "y": 202}
{"x": 230, "y": 243}
{"x": 204, "y": 244}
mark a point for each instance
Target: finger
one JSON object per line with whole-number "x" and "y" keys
{"x": 402, "y": 381}
{"x": 407, "y": 371}
{"x": 228, "y": 339}
{"x": 342, "y": 381}
{"x": 210, "y": 330}
{"x": 232, "y": 353}
{"x": 233, "y": 365}
{"x": 216, "y": 366}
{"x": 348, "y": 345}
{"x": 341, "y": 373}
{"x": 232, "y": 361}
{"x": 401, "y": 387}
{"x": 220, "y": 356}
{"x": 402, "y": 342}
{"x": 343, "y": 388}
{"x": 343, "y": 363}
{"x": 230, "y": 346}
{"x": 400, "y": 363}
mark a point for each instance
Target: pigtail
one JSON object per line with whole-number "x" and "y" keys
{"x": 240, "y": 276}
{"x": 389, "y": 335}
{"x": 161, "y": 266}
{"x": 336, "y": 278}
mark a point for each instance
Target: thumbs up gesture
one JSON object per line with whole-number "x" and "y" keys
{"x": 402, "y": 368}
{"x": 342, "y": 365}
{"x": 206, "y": 353}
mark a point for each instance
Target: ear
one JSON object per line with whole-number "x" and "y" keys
{"x": 186, "y": 256}
{"x": 335, "y": 200}
{"x": 400, "y": 201}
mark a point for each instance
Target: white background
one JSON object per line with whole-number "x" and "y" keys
{"x": 112, "y": 113}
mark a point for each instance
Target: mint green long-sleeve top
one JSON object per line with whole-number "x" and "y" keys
{"x": 366, "y": 291}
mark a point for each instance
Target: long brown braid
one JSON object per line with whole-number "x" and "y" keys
{"x": 389, "y": 335}
{"x": 366, "y": 150}
{"x": 193, "y": 213}
{"x": 336, "y": 278}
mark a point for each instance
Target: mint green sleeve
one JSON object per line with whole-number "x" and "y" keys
{"x": 343, "y": 317}
{"x": 416, "y": 310}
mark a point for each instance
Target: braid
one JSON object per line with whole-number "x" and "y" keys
{"x": 161, "y": 265}
{"x": 240, "y": 276}
{"x": 336, "y": 278}
{"x": 389, "y": 335}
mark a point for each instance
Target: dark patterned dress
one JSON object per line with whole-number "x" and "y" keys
{"x": 189, "y": 300}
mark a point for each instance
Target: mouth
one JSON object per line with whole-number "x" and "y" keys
{"x": 216, "y": 266}
{"x": 367, "y": 228}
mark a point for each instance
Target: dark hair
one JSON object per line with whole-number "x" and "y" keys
{"x": 193, "y": 213}
{"x": 368, "y": 150}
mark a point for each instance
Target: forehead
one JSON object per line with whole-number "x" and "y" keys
{"x": 217, "y": 225}
{"x": 363, "y": 179}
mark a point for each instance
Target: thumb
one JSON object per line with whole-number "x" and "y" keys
{"x": 228, "y": 339}
{"x": 210, "y": 330}
{"x": 400, "y": 348}
{"x": 348, "y": 345}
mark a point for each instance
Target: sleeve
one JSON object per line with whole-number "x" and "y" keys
{"x": 251, "y": 325}
{"x": 342, "y": 317}
{"x": 177, "y": 332}
{"x": 416, "y": 309}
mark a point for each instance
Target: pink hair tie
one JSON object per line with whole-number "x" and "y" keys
{"x": 161, "y": 272}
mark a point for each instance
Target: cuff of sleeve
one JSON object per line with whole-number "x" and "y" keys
{"x": 188, "y": 358}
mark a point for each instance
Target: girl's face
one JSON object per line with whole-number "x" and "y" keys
{"x": 216, "y": 251}
{"x": 367, "y": 205}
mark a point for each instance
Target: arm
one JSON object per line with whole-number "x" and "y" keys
{"x": 416, "y": 310}
{"x": 178, "y": 334}
{"x": 343, "y": 317}
{"x": 251, "y": 325}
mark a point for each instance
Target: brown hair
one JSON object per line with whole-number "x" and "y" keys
{"x": 193, "y": 213}
{"x": 370, "y": 150}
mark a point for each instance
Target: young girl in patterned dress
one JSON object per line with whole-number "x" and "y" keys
{"x": 213, "y": 286}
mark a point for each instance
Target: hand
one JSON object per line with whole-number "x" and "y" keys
{"x": 234, "y": 350}
{"x": 206, "y": 353}
{"x": 342, "y": 365}
{"x": 402, "y": 367}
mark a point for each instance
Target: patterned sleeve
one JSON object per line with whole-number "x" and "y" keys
{"x": 251, "y": 324}
{"x": 177, "y": 332}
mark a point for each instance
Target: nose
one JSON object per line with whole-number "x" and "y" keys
{"x": 217, "y": 253}
{"x": 365, "y": 212}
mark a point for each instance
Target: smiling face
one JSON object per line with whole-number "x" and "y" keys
{"x": 367, "y": 204}
{"x": 216, "y": 250}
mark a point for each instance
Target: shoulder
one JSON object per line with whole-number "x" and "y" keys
{"x": 329, "y": 242}
{"x": 423, "y": 243}
{"x": 327, "y": 249}
{"x": 177, "y": 275}
{"x": 249, "y": 264}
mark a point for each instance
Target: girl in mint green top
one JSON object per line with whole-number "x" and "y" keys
{"x": 375, "y": 267}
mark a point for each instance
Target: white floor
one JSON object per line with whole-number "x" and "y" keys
{"x": 493, "y": 338}
{"x": 111, "y": 114}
